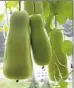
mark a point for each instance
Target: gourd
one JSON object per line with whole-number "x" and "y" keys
{"x": 40, "y": 40}
{"x": 53, "y": 69}
{"x": 58, "y": 64}
{"x": 17, "y": 56}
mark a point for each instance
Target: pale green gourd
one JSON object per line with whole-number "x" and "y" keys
{"x": 58, "y": 57}
{"x": 39, "y": 40}
{"x": 17, "y": 55}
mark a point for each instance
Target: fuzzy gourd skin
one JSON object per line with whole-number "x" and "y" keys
{"x": 53, "y": 70}
{"x": 58, "y": 57}
{"x": 40, "y": 41}
{"x": 17, "y": 56}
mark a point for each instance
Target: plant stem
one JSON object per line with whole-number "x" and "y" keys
{"x": 19, "y": 5}
{"x": 17, "y": 80}
{"x": 48, "y": 23}
{"x": 42, "y": 67}
{"x": 34, "y": 7}
{"x": 55, "y": 22}
{"x": 61, "y": 79}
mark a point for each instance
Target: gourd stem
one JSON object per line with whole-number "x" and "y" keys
{"x": 42, "y": 67}
{"x": 48, "y": 23}
{"x": 55, "y": 21}
{"x": 19, "y": 5}
{"x": 17, "y": 80}
{"x": 34, "y": 6}
{"x": 65, "y": 76}
{"x": 61, "y": 79}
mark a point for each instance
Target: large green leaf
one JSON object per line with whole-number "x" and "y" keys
{"x": 54, "y": 7}
{"x": 65, "y": 11}
{"x": 67, "y": 47}
{"x": 12, "y": 4}
{"x": 62, "y": 9}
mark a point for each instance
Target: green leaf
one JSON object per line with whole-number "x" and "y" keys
{"x": 67, "y": 47}
{"x": 1, "y": 17}
{"x": 54, "y": 7}
{"x": 62, "y": 9}
{"x": 11, "y": 4}
{"x": 62, "y": 84}
{"x": 61, "y": 18}
{"x": 65, "y": 11}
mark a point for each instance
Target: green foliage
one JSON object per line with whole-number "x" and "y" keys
{"x": 2, "y": 17}
{"x": 62, "y": 84}
{"x": 62, "y": 10}
{"x": 65, "y": 11}
{"x": 12, "y": 4}
{"x": 67, "y": 47}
